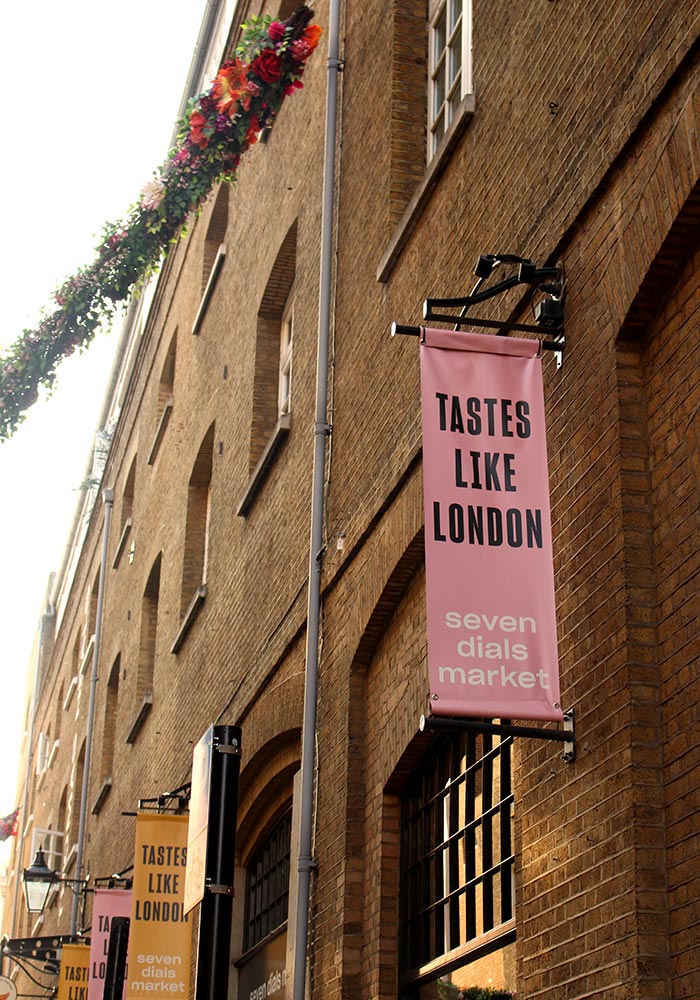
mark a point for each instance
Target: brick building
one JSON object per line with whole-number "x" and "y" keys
{"x": 546, "y": 129}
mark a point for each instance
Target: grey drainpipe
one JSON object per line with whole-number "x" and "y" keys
{"x": 108, "y": 496}
{"x": 321, "y": 430}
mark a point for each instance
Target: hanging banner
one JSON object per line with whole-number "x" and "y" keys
{"x": 198, "y": 829}
{"x": 160, "y": 935}
{"x": 492, "y": 643}
{"x": 74, "y": 971}
{"x": 107, "y": 904}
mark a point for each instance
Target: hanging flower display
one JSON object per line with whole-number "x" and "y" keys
{"x": 216, "y": 130}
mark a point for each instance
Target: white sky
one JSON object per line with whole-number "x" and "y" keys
{"x": 90, "y": 94}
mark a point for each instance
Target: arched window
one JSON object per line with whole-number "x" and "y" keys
{"x": 272, "y": 381}
{"x": 267, "y": 884}
{"x": 457, "y": 864}
{"x": 110, "y": 721}
{"x": 214, "y": 253}
{"x": 77, "y": 797}
{"x": 127, "y": 512}
{"x": 197, "y": 524}
{"x": 147, "y": 652}
{"x": 149, "y": 628}
{"x": 164, "y": 403}
{"x": 216, "y": 232}
{"x": 273, "y": 348}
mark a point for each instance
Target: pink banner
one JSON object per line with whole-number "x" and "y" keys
{"x": 107, "y": 904}
{"x": 492, "y": 642}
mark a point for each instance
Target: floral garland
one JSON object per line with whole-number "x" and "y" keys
{"x": 218, "y": 127}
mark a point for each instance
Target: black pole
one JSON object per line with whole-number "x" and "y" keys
{"x": 214, "y": 944}
{"x": 115, "y": 973}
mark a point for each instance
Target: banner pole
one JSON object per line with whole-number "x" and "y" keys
{"x": 216, "y": 909}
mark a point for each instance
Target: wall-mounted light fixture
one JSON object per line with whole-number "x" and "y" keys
{"x": 38, "y": 881}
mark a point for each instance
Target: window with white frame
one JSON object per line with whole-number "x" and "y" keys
{"x": 449, "y": 65}
{"x": 51, "y": 843}
{"x": 285, "y": 374}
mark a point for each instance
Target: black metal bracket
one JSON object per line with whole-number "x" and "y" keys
{"x": 566, "y": 735}
{"x": 176, "y": 801}
{"x": 548, "y": 311}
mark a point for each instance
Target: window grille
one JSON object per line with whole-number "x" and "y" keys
{"x": 267, "y": 884}
{"x": 457, "y": 863}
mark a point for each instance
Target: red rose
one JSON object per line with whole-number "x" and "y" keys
{"x": 268, "y": 66}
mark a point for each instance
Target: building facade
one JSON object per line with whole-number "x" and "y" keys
{"x": 557, "y": 132}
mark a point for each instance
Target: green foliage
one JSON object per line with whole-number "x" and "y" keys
{"x": 447, "y": 991}
{"x": 218, "y": 128}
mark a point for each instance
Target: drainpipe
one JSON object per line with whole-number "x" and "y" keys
{"x": 321, "y": 430}
{"x": 108, "y": 497}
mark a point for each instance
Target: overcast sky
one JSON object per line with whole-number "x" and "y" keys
{"x": 90, "y": 94}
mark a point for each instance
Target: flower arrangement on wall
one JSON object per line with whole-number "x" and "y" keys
{"x": 217, "y": 129}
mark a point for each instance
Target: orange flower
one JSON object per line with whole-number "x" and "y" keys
{"x": 229, "y": 85}
{"x": 311, "y": 36}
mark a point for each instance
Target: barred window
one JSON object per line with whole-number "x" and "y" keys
{"x": 457, "y": 863}
{"x": 267, "y": 884}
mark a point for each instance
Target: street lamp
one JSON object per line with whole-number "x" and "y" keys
{"x": 39, "y": 879}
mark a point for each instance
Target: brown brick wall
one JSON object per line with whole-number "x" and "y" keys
{"x": 583, "y": 144}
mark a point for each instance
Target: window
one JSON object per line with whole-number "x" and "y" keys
{"x": 51, "y": 842}
{"x": 285, "y": 373}
{"x": 92, "y": 610}
{"x": 126, "y": 513}
{"x": 272, "y": 381}
{"x": 457, "y": 865}
{"x": 108, "y": 733}
{"x": 128, "y": 495}
{"x": 431, "y": 92}
{"x": 214, "y": 253}
{"x": 42, "y": 753}
{"x": 450, "y": 69}
{"x": 273, "y": 349}
{"x": 77, "y": 795}
{"x": 164, "y": 404}
{"x": 58, "y": 710}
{"x": 267, "y": 885}
{"x": 194, "y": 568}
{"x": 149, "y": 627}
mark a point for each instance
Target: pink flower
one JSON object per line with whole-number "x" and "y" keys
{"x": 276, "y": 31}
{"x": 300, "y": 50}
{"x": 152, "y": 193}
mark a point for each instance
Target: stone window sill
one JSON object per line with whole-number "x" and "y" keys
{"x": 416, "y": 206}
{"x": 209, "y": 290}
{"x": 189, "y": 618}
{"x": 277, "y": 439}
{"x": 87, "y": 655}
{"x": 141, "y": 716}
{"x": 102, "y": 797}
{"x": 122, "y": 543}
{"x": 160, "y": 432}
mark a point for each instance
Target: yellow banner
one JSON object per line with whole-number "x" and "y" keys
{"x": 73, "y": 977}
{"x": 160, "y": 935}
